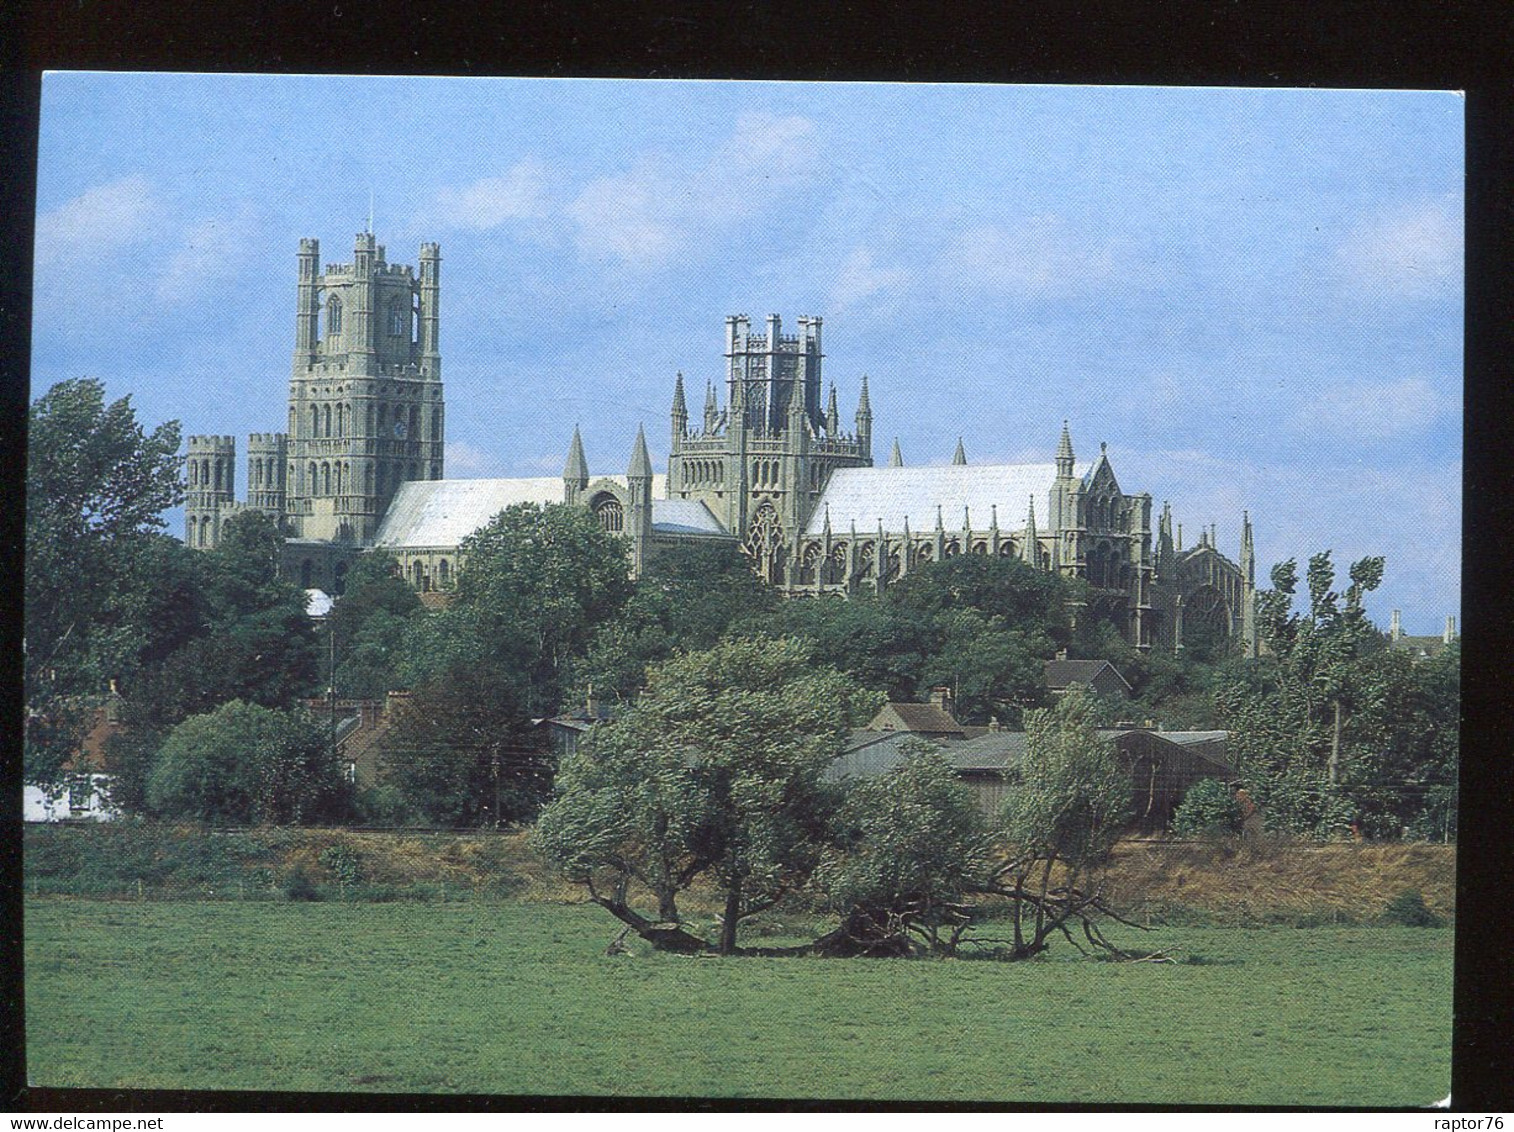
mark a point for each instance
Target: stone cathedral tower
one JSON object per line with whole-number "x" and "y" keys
{"x": 365, "y": 412}
{"x": 365, "y": 396}
{"x": 761, "y": 464}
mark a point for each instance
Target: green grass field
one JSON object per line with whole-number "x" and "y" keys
{"x": 520, "y": 998}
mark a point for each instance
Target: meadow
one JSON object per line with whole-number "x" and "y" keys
{"x": 521, "y": 998}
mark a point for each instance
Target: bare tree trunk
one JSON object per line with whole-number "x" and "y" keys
{"x": 732, "y": 915}
{"x": 1335, "y": 746}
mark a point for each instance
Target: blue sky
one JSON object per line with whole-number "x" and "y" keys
{"x": 1255, "y": 297}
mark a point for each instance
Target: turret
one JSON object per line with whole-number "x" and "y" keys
{"x": 639, "y": 520}
{"x": 430, "y": 345}
{"x": 267, "y": 479}
{"x": 1028, "y": 551}
{"x": 865, "y": 422}
{"x": 896, "y": 458}
{"x": 575, "y": 473}
{"x": 959, "y": 457}
{"x": 1064, "y": 454}
{"x": 307, "y": 317}
{"x": 711, "y": 409}
{"x": 832, "y": 415}
{"x": 680, "y": 411}
{"x": 210, "y": 471}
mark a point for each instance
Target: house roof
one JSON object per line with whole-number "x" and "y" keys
{"x": 866, "y": 496}
{"x": 927, "y": 718}
{"x": 1066, "y": 673}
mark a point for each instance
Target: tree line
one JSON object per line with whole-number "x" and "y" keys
{"x": 215, "y": 660}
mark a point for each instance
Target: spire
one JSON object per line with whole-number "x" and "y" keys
{"x": 576, "y": 470}
{"x": 1248, "y": 550}
{"x": 1028, "y": 551}
{"x": 679, "y": 408}
{"x": 711, "y": 410}
{"x": 641, "y": 463}
{"x": 896, "y": 458}
{"x": 832, "y": 414}
{"x": 1064, "y": 453}
{"x": 827, "y": 520}
{"x": 940, "y": 526}
{"x": 959, "y": 457}
{"x": 864, "y": 406}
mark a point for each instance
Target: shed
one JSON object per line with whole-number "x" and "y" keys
{"x": 1103, "y": 677}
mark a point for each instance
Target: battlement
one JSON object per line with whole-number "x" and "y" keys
{"x": 268, "y": 441}
{"x": 213, "y": 444}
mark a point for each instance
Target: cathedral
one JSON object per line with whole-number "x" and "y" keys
{"x": 768, "y": 466}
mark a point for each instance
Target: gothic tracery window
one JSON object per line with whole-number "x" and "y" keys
{"x": 764, "y": 542}
{"x": 333, "y": 316}
{"x": 611, "y": 515}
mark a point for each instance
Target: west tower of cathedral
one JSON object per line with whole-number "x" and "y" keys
{"x": 771, "y": 470}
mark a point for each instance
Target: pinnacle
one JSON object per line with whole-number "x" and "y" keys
{"x": 577, "y": 468}
{"x": 641, "y": 462}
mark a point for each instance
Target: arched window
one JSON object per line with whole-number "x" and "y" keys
{"x": 370, "y": 418}
{"x": 396, "y": 318}
{"x": 341, "y": 479}
{"x": 415, "y": 422}
{"x": 194, "y": 473}
{"x": 325, "y": 479}
{"x": 368, "y": 480}
{"x": 327, "y": 420}
{"x": 417, "y": 574}
{"x": 341, "y": 420}
{"x": 312, "y": 485}
{"x": 383, "y": 419}
{"x": 315, "y": 421}
{"x": 333, "y": 316}
{"x": 611, "y": 515}
{"x": 443, "y": 574}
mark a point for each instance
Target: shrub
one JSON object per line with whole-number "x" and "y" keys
{"x": 1208, "y": 809}
{"x": 299, "y": 886}
{"x": 1408, "y": 909}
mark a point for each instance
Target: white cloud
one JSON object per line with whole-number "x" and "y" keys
{"x": 520, "y": 194}
{"x": 101, "y": 219}
{"x": 859, "y": 281}
{"x": 1043, "y": 257}
{"x": 664, "y": 204}
{"x": 464, "y": 461}
{"x": 1370, "y": 410}
{"x": 1413, "y": 250}
{"x": 212, "y": 251}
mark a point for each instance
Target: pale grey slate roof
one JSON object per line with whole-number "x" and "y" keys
{"x": 865, "y": 495}
{"x": 441, "y": 513}
{"x": 444, "y": 512}
{"x": 684, "y": 517}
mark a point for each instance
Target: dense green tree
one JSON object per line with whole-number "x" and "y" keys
{"x": 716, "y": 772}
{"x": 689, "y": 597}
{"x": 1006, "y": 588}
{"x": 1331, "y": 729}
{"x": 539, "y": 584}
{"x": 96, "y": 487}
{"x": 907, "y": 847}
{"x": 1067, "y": 802}
{"x": 257, "y": 643}
{"x": 243, "y": 763}
{"x": 369, "y": 625}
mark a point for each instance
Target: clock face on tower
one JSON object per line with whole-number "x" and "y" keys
{"x": 399, "y": 430}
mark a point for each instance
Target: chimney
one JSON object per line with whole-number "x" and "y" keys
{"x": 1395, "y": 626}
{"x": 994, "y": 724}
{"x": 1450, "y": 633}
{"x": 1061, "y": 654}
{"x": 942, "y": 698}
